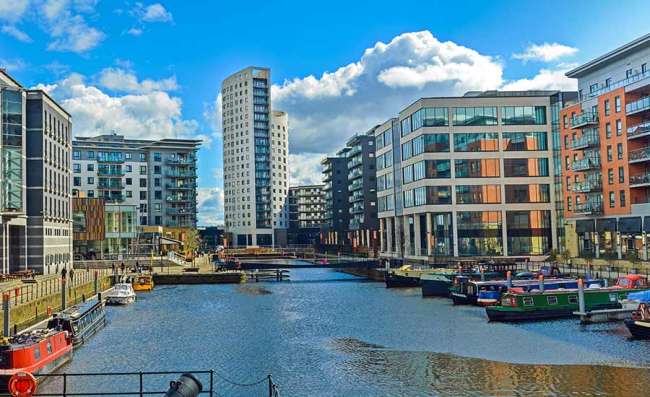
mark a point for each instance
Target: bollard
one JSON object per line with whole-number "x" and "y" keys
{"x": 15, "y": 329}
{"x": 581, "y": 296}
{"x": 509, "y": 279}
{"x": 541, "y": 283}
{"x": 83, "y": 298}
{"x": 5, "y": 310}
{"x": 99, "y": 297}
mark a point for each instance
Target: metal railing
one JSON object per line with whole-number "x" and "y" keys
{"x": 641, "y": 104}
{"x": 587, "y": 186}
{"x": 584, "y": 118}
{"x": 620, "y": 83}
{"x": 639, "y": 129}
{"x": 585, "y": 141}
{"x": 640, "y": 179}
{"x": 639, "y": 154}
{"x": 586, "y": 163}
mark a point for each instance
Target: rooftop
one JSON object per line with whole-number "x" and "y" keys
{"x": 612, "y": 56}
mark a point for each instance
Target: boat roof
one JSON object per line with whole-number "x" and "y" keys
{"x": 633, "y": 277}
{"x": 79, "y": 310}
{"x": 525, "y": 282}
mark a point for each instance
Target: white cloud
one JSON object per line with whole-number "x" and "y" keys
{"x": 120, "y": 80}
{"x": 74, "y": 35}
{"x": 309, "y": 171}
{"x": 16, "y": 33}
{"x": 546, "y": 52}
{"x": 156, "y": 13}
{"x": 12, "y": 66}
{"x": 153, "y": 114}
{"x": 545, "y": 80}
{"x": 210, "y": 206}
{"x": 326, "y": 110}
{"x": 135, "y": 31}
{"x": 12, "y": 10}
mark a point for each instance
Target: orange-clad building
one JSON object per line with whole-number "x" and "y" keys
{"x": 606, "y": 155}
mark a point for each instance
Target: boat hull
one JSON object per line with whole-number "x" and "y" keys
{"x": 120, "y": 300}
{"x": 638, "y": 329}
{"x": 496, "y": 313}
{"x": 435, "y": 288}
{"x": 462, "y": 299}
{"x": 44, "y": 368}
{"x": 397, "y": 281}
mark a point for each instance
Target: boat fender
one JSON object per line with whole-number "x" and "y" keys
{"x": 22, "y": 384}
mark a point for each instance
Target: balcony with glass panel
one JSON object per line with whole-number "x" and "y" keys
{"x": 587, "y": 186}
{"x": 588, "y": 139}
{"x": 178, "y": 199}
{"x": 587, "y": 163}
{"x": 355, "y": 173}
{"x": 637, "y": 107}
{"x": 356, "y": 196}
{"x": 113, "y": 198}
{"x": 357, "y": 208}
{"x": 584, "y": 119}
{"x": 180, "y": 211}
{"x": 639, "y": 155}
{"x": 114, "y": 184}
{"x": 175, "y": 173}
{"x": 110, "y": 157}
{"x": 112, "y": 171}
{"x": 642, "y": 180}
{"x": 180, "y": 186}
{"x": 589, "y": 208}
{"x": 356, "y": 185}
{"x": 639, "y": 130}
{"x": 355, "y": 161}
{"x": 354, "y": 150}
{"x": 177, "y": 160}
{"x": 621, "y": 83}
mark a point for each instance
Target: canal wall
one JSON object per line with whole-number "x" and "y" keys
{"x": 200, "y": 278}
{"x": 372, "y": 274}
{"x": 32, "y": 307}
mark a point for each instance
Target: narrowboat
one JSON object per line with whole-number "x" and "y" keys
{"x": 639, "y": 324}
{"x": 486, "y": 293}
{"x": 406, "y": 277}
{"x": 442, "y": 284}
{"x": 38, "y": 352}
{"x": 80, "y": 321}
{"x": 553, "y": 304}
{"x": 143, "y": 282}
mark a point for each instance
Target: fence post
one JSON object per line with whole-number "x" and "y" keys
{"x": 5, "y": 310}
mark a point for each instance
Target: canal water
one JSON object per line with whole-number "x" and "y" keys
{"x": 330, "y": 334}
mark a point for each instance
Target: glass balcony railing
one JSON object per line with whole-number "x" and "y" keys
{"x": 356, "y": 196}
{"x": 584, "y": 119}
{"x": 587, "y": 186}
{"x": 110, "y": 171}
{"x": 173, "y": 199}
{"x": 110, "y": 186}
{"x": 638, "y": 106}
{"x": 354, "y": 150}
{"x": 180, "y": 211}
{"x": 586, "y": 141}
{"x": 639, "y": 155}
{"x": 356, "y": 185}
{"x": 356, "y": 161}
{"x": 618, "y": 84}
{"x": 638, "y": 130}
{"x": 355, "y": 173}
{"x": 180, "y": 186}
{"x": 586, "y": 164}
{"x": 590, "y": 207}
{"x": 181, "y": 160}
{"x": 110, "y": 157}
{"x": 180, "y": 174}
{"x": 640, "y": 180}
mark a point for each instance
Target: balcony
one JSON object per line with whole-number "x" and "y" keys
{"x": 180, "y": 211}
{"x": 584, "y": 119}
{"x": 589, "y": 140}
{"x": 356, "y": 161}
{"x": 356, "y": 185}
{"x": 355, "y": 173}
{"x": 114, "y": 198}
{"x": 639, "y": 155}
{"x": 179, "y": 199}
{"x": 180, "y": 174}
{"x": 620, "y": 83}
{"x": 589, "y": 208}
{"x": 181, "y": 161}
{"x": 110, "y": 186}
{"x": 109, "y": 172}
{"x": 182, "y": 186}
{"x": 115, "y": 158}
{"x": 639, "y": 130}
{"x": 356, "y": 196}
{"x": 354, "y": 150}
{"x": 587, "y": 186}
{"x": 642, "y": 180}
{"x": 639, "y": 106}
{"x": 586, "y": 164}
{"x": 356, "y": 208}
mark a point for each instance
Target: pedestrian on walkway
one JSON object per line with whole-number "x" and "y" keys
{"x": 122, "y": 267}
{"x": 71, "y": 276}
{"x": 64, "y": 272}
{"x": 113, "y": 267}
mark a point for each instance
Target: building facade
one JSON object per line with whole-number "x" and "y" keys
{"x": 306, "y": 214}
{"x": 255, "y": 153}
{"x": 336, "y": 219}
{"x": 606, "y": 155}
{"x": 469, "y": 176}
{"x": 362, "y": 192}
{"x": 142, "y": 182}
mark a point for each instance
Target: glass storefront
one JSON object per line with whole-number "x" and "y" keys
{"x": 529, "y": 232}
{"x": 442, "y": 234}
{"x": 479, "y": 233}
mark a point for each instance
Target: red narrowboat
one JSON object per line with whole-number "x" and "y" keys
{"x": 37, "y": 352}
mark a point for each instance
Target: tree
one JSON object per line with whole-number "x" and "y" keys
{"x": 191, "y": 244}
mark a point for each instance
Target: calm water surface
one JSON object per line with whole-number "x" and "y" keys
{"x": 330, "y": 334}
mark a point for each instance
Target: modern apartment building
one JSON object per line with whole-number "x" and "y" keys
{"x": 469, "y": 176}
{"x": 337, "y": 205}
{"x": 35, "y": 179}
{"x": 362, "y": 187}
{"x": 142, "y": 182}
{"x": 255, "y": 153}
{"x": 306, "y": 214}
{"x": 606, "y": 155}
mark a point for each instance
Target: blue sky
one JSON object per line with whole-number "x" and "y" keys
{"x": 153, "y": 69}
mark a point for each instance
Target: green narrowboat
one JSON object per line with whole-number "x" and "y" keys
{"x": 553, "y": 304}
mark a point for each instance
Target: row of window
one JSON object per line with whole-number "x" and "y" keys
{"x": 476, "y": 168}
{"x": 384, "y": 139}
{"x": 477, "y": 194}
{"x": 473, "y": 116}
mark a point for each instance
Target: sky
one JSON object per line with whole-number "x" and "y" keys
{"x": 153, "y": 69}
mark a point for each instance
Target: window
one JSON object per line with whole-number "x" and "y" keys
{"x": 525, "y": 141}
{"x": 529, "y": 193}
{"x": 617, "y": 104}
{"x": 612, "y": 200}
{"x": 525, "y": 167}
{"x": 419, "y": 171}
{"x": 608, "y": 82}
{"x": 129, "y": 168}
{"x": 481, "y": 142}
{"x": 552, "y": 300}
{"x": 477, "y": 168}
{"x": 478, "y": 194}
{"x": 156, "y": 169}
{"x": 128, "y": 156}
{"x": 407, "y": 150}
{"x": 573, "y": 299}
{"x": 158, "y": 195}
{"x": 129, "y": 194}
{"x": 610, "y": 176}
{"x": 628, "y": 73}
{"x": 409, "y": 200}
{"x": 156, "y": 182}
{"x": 157, "y": 207}
{"x": 91, "y": 154}
{"x": 479, "y": 233}
{"x": 619, "y": 151}
{"x": 567, "y": 163}
{"x": 622, "y": 198}
{"x": 143, "y": 182}
{"x": 429, "y": 117}
{"x": 607, "y": 107}
{"x": 619, "y": 127}
{"x": 644, "y": 68}
{"x": 430, "y": 143}
{"x": 76, "y": 155}
{"x": 76, "y": 181}
{"x": 143, "y": 170}
{"x": 621, "y": 175}
{"x": 438, "y": 169}
{"x": 90, "y": 167}
{"x": 528, "y": 301}
{"x": 593, "y": 88}
{"x": 156, "y": 156}
{"x": 406, "y": 126}
{"x": 143, "y": 157}
{"x": 528, "y": 232}
{"x": 610, "y": 156}
{"x": 379, "y": 141}
{"x": 566, "y": 141}
{"x": 565, "y": 121}
{"x": 143, "y": 196}
{"x": 91, "y": 180}
{"x": 475, "y": 116}
{"x": 91, "y": 193}
{"x": 407, "y": 174}
{"x": 76, "y": 168}
{"x": 608, "y": 130}
{"x": 523, "y": 115}
{"x": 129, "y": 181}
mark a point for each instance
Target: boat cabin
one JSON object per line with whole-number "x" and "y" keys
{"x": 632, "y": 281}
{"x": 81, "y": 321}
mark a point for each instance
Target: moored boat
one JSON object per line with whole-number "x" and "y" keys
{"x": 143, "y": 282}
{"x": 37, "y": 352}
{"x": 121, "y": 294}
{"x": 406, "y": 277}
{"x": 639, "y": 324}
{"x": 443, "y": 284}
{"x": 486, "y": 293}
{"x": 80, "y": 321}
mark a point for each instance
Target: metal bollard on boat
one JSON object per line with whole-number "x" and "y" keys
{"x": 186, "y": 386}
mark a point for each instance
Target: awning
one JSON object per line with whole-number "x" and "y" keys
{"x": 585, "y": 226}
{"x": 606, "y": 225}
{"x": 629, "y": 225}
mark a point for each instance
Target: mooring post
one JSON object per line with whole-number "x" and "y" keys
{"x": 6, "y": 318}
{"x": 95, "y": 283}
{"x": 581, "y": 296}
{"x": 64, "y": 296}
{"x": 509, "y": 279}
{"x": 482, "y": 270}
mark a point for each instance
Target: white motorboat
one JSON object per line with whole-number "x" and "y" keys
{"x": 122, "y": 294}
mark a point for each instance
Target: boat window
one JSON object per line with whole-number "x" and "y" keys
{"x": 613, "y": 298}
{"x": 528, "y": 301}
{"x": 49, "y": 347}
{"x": 573, "y": 299}
{"x": 37, "y": 353}
{"x": 552, "y": 300}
